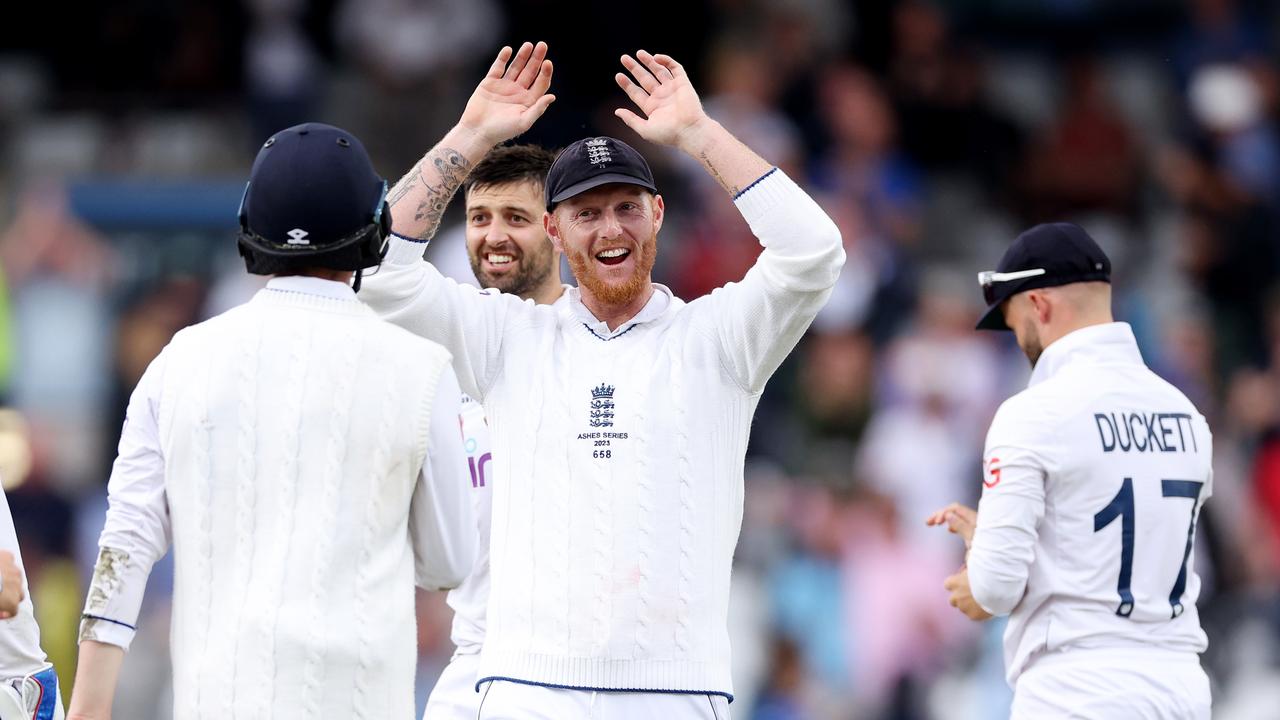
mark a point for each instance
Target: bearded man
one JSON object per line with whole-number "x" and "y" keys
{"x": 619, "y": 414}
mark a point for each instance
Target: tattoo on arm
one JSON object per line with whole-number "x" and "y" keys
{"x": 406, "y": 184}
{"x": 451, "y": 168}
{"x": 706, "y": 163}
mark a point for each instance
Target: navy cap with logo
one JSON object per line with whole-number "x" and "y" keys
{"x": 1047, "y": 255}
{"x": 313, "y": 198}
{"x": 592, "y": 162}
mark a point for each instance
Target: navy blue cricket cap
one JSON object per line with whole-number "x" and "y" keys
{"x": 592, "y": 162}
{"x": 311, "y": 186}
{"x": 1047, "y": 255}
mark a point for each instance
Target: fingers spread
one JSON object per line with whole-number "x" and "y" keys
{"x": 668, "y": 62}
{"x": 517, "y": 65}
{"x": 533, "y": 67}
{"x": 500, "y": 62}
{"x": 643, "y": 76}
{"x": 638, "y": 96}
{"x": 660, "y": 72}
{"x": 631, "y": 120}
{"x": 543, "y": 81}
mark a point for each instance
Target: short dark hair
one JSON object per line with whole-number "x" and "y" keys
{"x": 512, "y": 164}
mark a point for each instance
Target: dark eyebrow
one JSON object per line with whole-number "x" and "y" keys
{"x": 505, "y": 208}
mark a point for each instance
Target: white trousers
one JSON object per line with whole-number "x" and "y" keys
{"x": 503, "y": 700}
{"x": 34, "y": 697}
{"x": 1103, "y": 684}
{"x": 454, "y": 697}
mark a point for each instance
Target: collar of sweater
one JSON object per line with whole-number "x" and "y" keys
{"x": 300, "y": 291}
{"x": 652, "y": 310}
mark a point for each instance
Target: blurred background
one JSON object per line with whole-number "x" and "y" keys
{"x": 933, "y": 132}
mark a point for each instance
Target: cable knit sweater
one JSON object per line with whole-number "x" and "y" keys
{"x": 296, "y": 451}
{"x": 618, "y": 455}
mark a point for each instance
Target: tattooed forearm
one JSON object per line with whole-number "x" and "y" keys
{"x": 406, "y": 185}
{"x": 452, "y": 168}
{"x": 430, "y": 184}
{"x": 706, "y": 163}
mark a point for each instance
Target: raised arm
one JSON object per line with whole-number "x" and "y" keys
{"x": 673, "y": 116}
{"x": 759, "y": 320}
{"x": 410, "y": 292}
{"x": 512, "y": 95}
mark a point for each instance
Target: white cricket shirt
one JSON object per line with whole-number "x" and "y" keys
{"x": 469, "y": 600}
{"x": 304, "y": 457}
{"x": 618, "y": 455}
{"x": 1093, "y": 480}
{"x": 20, "y": 653}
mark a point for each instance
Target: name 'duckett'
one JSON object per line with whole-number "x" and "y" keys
{"x": 1146, "y": 432}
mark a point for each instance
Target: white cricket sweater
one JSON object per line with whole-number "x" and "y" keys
{"x": 293, "y": 432}
{"x": 470, "y": 600}
{"x": 618, "y": 456}
{"x": 20, "y": 653}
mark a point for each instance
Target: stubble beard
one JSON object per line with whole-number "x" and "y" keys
{"x": 532, "y": 271}
{"x": 1031, "y": 345}
{"x": 585, "y": 272}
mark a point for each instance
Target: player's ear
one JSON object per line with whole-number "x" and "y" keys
{"x": 552, "y": 229}
{"x": 1041, "y": 306}
{"x": 659, "y": 212}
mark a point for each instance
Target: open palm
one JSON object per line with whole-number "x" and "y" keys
{"x": 512, "y": 95}
{"x": 663, "y": 92}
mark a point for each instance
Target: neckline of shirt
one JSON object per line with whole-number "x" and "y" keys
{"x": 312, "y": 286}
{"x": 653, "y": 309}
{"x": 1113, "y": 342}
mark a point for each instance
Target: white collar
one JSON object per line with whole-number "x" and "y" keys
{"x": 1106, "y": 343}
{"x": 312, "y": 286}
{"x": 653, "y": 308}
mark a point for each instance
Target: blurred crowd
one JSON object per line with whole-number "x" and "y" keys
{"x": 932, "y": 131}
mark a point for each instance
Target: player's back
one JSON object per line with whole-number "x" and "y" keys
{"x": 1126, "y": 460}
{"x": 293, "y": 431}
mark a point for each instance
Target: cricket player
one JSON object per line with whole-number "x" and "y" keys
{"x": 303, "y": 457}
{"x": 620, "y": 413}
{"x": 28, "y": 685}
{"x": 510, "y": 252}
{"x": 1093, "y": 479}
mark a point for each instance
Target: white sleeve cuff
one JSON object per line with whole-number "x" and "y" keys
{"x": 404, "y": 251}
{"x": 106, "y": 631}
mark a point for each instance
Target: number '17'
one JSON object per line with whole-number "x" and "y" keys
{"x": 1121, "y": 506}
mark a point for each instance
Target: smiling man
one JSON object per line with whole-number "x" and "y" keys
{"x": 506, "y": 243}
{"x": 620, "y": 413}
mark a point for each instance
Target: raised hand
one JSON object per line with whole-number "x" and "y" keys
{"x": 662, "y": 91}
{"x": 512, "y": 95}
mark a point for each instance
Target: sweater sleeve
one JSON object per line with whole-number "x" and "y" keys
{"x": 469, "y": 322}
{"x": 1009, "y": 513}
{"x": 441, "y": 519}
{"x": 760, "y": 319}
{"x": 137, "y": 531}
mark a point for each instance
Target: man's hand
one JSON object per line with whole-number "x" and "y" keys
{"x": 512, "y": 95}
{"x": 960, "y": 520}
{"x": 662, "y": 91}
{"x": 962, "y": 596}
{"x": 11, "y": 590}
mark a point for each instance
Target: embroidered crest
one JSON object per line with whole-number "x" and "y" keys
{"x": 602, "y": 406}
{"x": 298, "y": 236}
{"x": 598, "y": 151}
